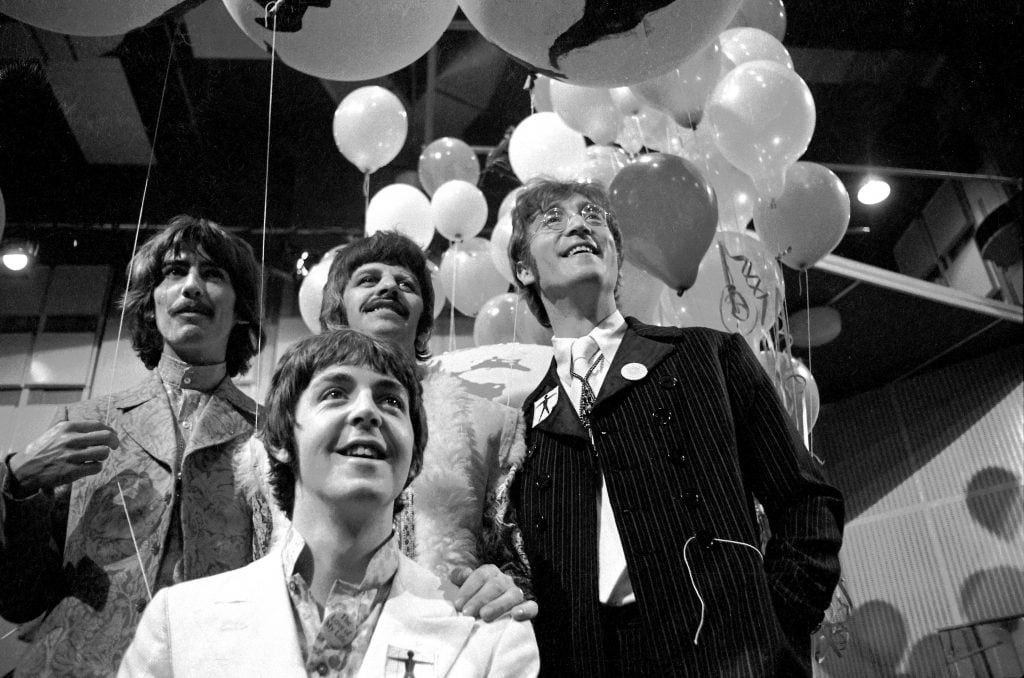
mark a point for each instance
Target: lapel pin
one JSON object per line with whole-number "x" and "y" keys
{"x": 542, "y": 408}
{"x": 634, "y": 371}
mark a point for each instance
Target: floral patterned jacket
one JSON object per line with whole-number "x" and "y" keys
{"x": 71, "y": 553}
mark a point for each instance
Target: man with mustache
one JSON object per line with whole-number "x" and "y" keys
{"x": 129, "y": 493}
{"x": 647, "y": 448}
{"x": 451, "y": 522}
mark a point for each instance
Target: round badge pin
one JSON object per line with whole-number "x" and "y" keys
{"x": 634, "y": 371}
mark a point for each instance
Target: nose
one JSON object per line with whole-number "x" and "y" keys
{"x": 193, "y": 284}
{"x": 387, "y": 286}
{"x": 363, "y": 411}
{"x": 576, "y": 224}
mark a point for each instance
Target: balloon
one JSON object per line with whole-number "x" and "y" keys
{"x": 734, "y": 190}
{"x": 435, "y": 282}
{"x": 601, "y": 43}
{"x": 352, "y": 40}
{"x": 815, "y": 326}
{"x": 647, "y": 129}
{"x": 445, "y": 159}
{"x": 402, "y": 208}
{"x": 505, "y": 318}
{"x": 740, "y": 45}
{"x": 86, "y": 17}
{"x": 459, "y": 210}
{"x": 311, "y": 290}
{"x": 808, "y": 220}
{"x": 748, "y": 300}
{"x": 370, "y": 126}
{"x": 509, "y": 201}
{"x": 504, "y": 373}
{"x": 768, "y": 15}
{"x": 601, "y": 166}
{"x": 626, "y": 101}
{"x": 543, "y": 145}
{"x": 762, "y": 118}
{"x": 540, "y": 95}
{"x": 639, "y": 294}
{"x": 468, "y": 276}
{"x": 500, "y": 236}
{"x": 796, "y": 387}
{"x": 588, "y": 110}
{"x": 681, "y": 92}
{"x": 667, "y": 214}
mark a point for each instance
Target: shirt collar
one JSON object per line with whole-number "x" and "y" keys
{"x": 179, "y": 374}
{"x": 380, "y": 570}
{"x": 608, "y": 335}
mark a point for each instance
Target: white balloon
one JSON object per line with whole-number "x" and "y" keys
{"x": 402, "y": 208}
{"x": 311, "y": 291}
{"x": 740, "y": 45}
{"x": 435, "y": 283}
{"x": 500, "y": 236}
{"x": 543, "y": 145}
{"x": 469, "y": 277}
{"x": 509, "y": 201}
{"x": 458, "y": 209}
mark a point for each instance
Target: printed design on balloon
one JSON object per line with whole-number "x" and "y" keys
{"x": 600, "y": 19}
{"x": 288, "y": 14}
{"x": 739, "y": 310}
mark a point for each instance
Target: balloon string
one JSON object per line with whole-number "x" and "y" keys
{"x": 366, "y": 193}
{"x": 138, "y": 223}
{"x": 451, "y": 312}
{"x": 807, "y": 306}
{"x": 271, "y": 11}
{"x": 515, "y": 330}
{"x": 135, "y": 543}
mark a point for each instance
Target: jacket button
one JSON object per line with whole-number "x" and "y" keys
{"x": 544, "y": 481}
{"x": 662, "y": 416}
{"x": 690, "y": 498}
{"x": 668, "y": 381}
{"x": 322, "y": 669}
{"x": 541, "y": 524}
{"x": 677, "y": 458}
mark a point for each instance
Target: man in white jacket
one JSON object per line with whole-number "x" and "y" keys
{"x": 345, "y": 432}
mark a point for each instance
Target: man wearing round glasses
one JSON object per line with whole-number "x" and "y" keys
{"x": 646, "y": 448}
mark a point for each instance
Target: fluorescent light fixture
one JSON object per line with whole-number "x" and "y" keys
{"x": 873, "y": 191}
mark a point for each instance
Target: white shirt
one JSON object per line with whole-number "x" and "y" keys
{"x": 614, "y": 587}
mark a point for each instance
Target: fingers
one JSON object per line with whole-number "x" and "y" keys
{"x": 81, "y": 471}
{"x": 503, "y": 604}
{"x": 487, "y": 587}
{"x": 89, "y": 454}
{"x": 459, "y": 575}
{"x": 89, "y": 433}
{"x": 528, "y": 610}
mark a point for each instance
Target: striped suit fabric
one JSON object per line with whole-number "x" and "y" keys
{"x": 683, "y": 449}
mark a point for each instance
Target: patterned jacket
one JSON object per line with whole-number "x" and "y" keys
{"x": 684, "y": 437}
{"x": 71, "y": 553}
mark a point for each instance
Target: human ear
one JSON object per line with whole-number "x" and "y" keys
{"x": 524, "y": 275}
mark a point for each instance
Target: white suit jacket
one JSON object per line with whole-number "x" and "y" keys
{"x": 240, "y": 623}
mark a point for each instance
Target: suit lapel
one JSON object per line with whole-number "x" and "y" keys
{"x": 416, "y": 618}
{"x": 636, "y": 349}
{"x": 554, "y": 406}
{"x": 228, "y": 414}
{"x": 147, "y": 419}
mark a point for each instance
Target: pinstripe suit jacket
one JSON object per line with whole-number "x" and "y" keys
{"x": 682, "y": 450}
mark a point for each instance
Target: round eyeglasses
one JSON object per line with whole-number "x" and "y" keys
{"x": 556, "y": 219}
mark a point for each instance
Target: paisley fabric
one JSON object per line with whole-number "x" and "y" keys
{"x": 72, "y": 553}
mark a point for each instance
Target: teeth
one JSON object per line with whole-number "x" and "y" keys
{"x": 582, "y": 248}
{"x": 362, "y": 452}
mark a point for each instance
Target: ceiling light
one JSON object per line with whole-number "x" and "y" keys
{"x": 17, "y": 255}
{"x": 873, "y": 191}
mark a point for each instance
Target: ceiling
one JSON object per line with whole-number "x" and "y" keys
{"x": 925, "y": 89}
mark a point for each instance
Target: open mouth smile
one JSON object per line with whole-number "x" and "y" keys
{"x": 363, "y": 450}
{"x": 392, "y": 305}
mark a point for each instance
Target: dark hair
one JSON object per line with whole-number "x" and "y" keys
{"x": 539, "y": 196}
{"x": 296, "y": 369}
{"x": 234, "y": 255}
{"x": 384, "y": 247}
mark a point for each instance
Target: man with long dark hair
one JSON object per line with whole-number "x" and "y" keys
{"x": 128, "y": 493}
